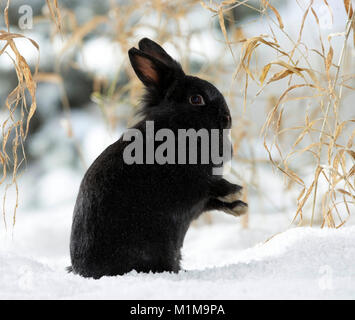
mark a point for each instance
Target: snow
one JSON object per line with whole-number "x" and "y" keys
{"x": 221, "y": 261}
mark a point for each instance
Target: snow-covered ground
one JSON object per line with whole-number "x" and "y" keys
{"x": 222, "y": 261}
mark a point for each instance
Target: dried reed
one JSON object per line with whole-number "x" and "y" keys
{"x": 326, "y": 134}
{"x": 15, "y": 126}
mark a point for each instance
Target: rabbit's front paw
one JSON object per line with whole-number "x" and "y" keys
{"x": 236, "y": 208}
{"x": 232, "y": 197}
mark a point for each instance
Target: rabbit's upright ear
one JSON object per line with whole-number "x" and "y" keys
{"x": 155, "y": 50}
{"x": 151, "y": 71}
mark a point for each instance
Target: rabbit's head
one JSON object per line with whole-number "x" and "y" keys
{"x": 180, "y": 100}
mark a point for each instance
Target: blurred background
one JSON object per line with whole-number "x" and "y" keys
{"x": 286, "y": 69}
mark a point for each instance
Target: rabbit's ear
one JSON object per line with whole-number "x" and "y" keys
{"x": 155, "y": 50}
{"x": 151, "y": 71}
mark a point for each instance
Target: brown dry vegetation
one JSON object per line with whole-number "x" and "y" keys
{"x": 294, "y": 74}
{"x": 19, "y": 113}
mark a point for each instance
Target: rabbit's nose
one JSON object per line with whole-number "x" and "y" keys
{"x": 227, "y": 121}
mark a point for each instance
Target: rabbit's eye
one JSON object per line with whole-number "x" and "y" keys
{"x": 197, "y": 100}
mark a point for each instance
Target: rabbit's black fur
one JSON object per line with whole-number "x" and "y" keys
{"x": 135, "y": 217}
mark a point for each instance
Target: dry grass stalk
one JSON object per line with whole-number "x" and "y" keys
{"x": 15, "y": 126}
{"x": 333, "y": 161}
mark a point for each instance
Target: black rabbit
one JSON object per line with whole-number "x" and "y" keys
{"x": 135, "y": 216}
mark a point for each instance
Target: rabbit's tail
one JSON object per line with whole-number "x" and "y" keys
{"x": 69, "y": 269}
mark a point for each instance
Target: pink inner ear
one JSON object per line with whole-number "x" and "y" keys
{"x": 146, "y": 67}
